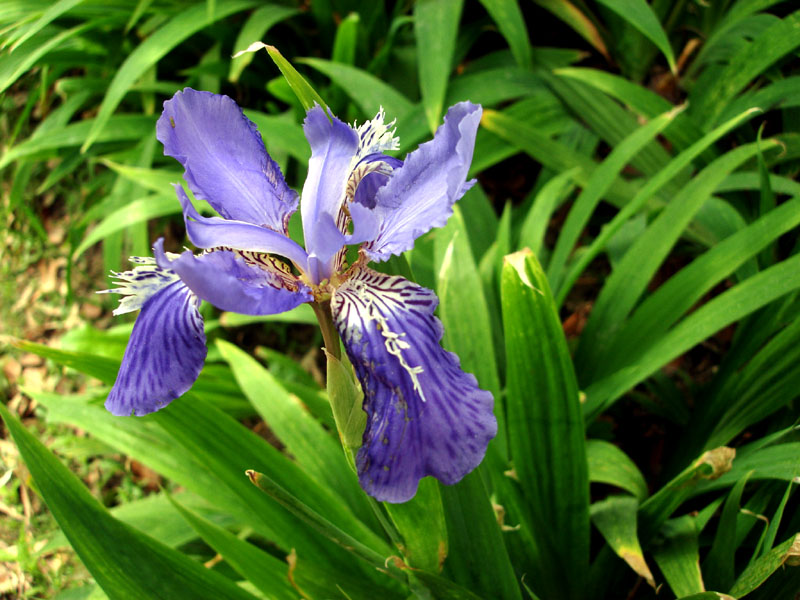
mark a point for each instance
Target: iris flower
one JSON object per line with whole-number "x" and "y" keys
{"x": 425, "y": 416}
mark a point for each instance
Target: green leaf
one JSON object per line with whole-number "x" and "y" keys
{"x": 545, "y": 429}
{"x": 615, "y": 518}
{"x": 597, "y": 186}
{"x": 421, "y": 523}
{"x": 718, "y": 567}
{"x": 727, "y": 308}
{"x": 753, "y": 576}
{"x": 470, "y": 338}
{"x": 677, "y": 555}
{"x": 119, "y": 128}
{"x": 304, "y": 438}
{"x": 435, "y": 27}
{"x": 749, "y": 62}
{"x": 552, "y": 194}
{"x": 263, "y": 570}
{"x": 657, "y": 508}
{"x": 256, "y": 26}
{"x": 640, "y": 14}
{"x": 48, "y": 16}
{"x": 510, "y": 21}
{"x": 478, "y": 558}
{"x": 126, "y": 563}
{"x": 608, "y": 464}
{"x": 366, "y": 90}
{"x": 140, "y": 210}
{"x": 572, "y": 16}
{"x": 629, "y": 280}
{"x": 151, "y": 50}
{"x": 319, "y": 523}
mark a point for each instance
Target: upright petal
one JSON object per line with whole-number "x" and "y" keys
{"x": 334, "y": 146}
{"x": 420, "y": 194}
{"x": 225, "y": 159}
{"x": 246, "y": 283}
{"x": 167, "y": 348}
{"x": 425, "y": 416}
{"x": 213, "y": 232}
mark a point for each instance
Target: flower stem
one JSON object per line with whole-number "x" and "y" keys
{"x": 329, "y": 334}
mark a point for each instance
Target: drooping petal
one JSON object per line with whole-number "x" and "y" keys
{"x": 425, "y": 416}
{"x": 167, "y": 347}
{"x": 249, "y": 284}
{"x": 213, "y": 232}
{"x": 225, "y": 159}
{"x": 420, "y": 194}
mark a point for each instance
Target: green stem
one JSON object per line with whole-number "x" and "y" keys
{"x": 329, "y": 334}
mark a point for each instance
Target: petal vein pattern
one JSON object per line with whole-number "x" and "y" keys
{"x": 225, "y": 159}
{"x": 425, "y": 416}
{"x": 166, "y": 350}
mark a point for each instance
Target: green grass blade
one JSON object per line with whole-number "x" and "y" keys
{"x": 749, "y": 62}
{"x": 263, "y": 570}
{"x": 599, "y": 182}
{"x": 435, "y": 27}
{"x": 478, "y": 558}
{"x": 615, "y": 518}
{"x": 608, "y": 464}
{"x": 470, "y": 339}
{"x": 51, "y": 14}
{"x": 545, "y": 425}
{"x": 150, "y": 51}
{"x": 119, "y": 128}
{"x": 421, "y": 523}
{"x": 572, "y": 16}
{"x": 661, "y": 310}
{"x": 641, "y": 16}
{"x": 677, "y": 554}
{"x": 363, "y": 88}
{"x": 718, "y": 567}
{"x": 757, "y": 573}
{"x": 315, "y": 450}
{"x": 727, "y": 308}
{"x": 256, "y": 26}
{"x": 140, "y": 210}
{"x": 629, "y": 280}
{"x": 126, "y": 563}
{"x": 552, "y": 194}
{"x": 318, "y": 522}
{"x": 511, "y": 23}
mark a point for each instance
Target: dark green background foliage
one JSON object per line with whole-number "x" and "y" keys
{"x": 624, "y": 280}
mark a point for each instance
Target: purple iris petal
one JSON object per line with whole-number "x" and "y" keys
{"x": 249, "y": 284}
{"x": 369, "y": 185}
{"x": 165, "y": 353}
{"x": 225, "y": 159}
{"x": 213, "y": 232}
{"x": 425, "y": 416}
{"x": 334, "y": 146}
{"x": 420, "y": 194}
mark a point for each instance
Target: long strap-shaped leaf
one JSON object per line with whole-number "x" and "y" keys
{"x": 150, "y": 51}
{"x": 545, "y": 430}
{"x": 636, "y": 269}
{"x": 126, "y": 563}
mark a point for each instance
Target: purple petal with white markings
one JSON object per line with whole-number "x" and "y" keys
{"x": 425, "y": 416}
{"x": 246, "y": 283}
{"x": 225, "y": 159}
{"x": 213, "y": 232}
{"x": 420, "y": 194}
{"x": 165, "y": 353}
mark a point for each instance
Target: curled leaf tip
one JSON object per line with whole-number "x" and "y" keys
{"x": 719, "y": 459}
